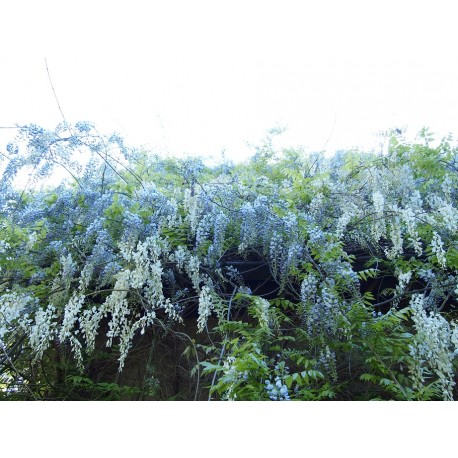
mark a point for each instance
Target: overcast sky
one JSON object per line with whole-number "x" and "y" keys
{"x": 198, "y": 77}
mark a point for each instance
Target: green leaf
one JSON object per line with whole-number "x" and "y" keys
{"x": 368, "y": 378}
{"x": 289, "y": 381}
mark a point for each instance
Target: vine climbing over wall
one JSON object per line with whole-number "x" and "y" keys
{"x": 288, "y": 276}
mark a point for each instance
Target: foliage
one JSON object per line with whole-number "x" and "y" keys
{"x": 291, "y": 276}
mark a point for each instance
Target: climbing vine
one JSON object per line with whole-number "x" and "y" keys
{"x": 290, "y": 276}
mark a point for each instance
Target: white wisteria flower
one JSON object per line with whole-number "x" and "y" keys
{"x": 434, "y": 348}
{"x": 205, "y": 308}
{"x": 437, "y": 247}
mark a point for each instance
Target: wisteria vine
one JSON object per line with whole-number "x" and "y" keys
{"x": 353, "y": 249}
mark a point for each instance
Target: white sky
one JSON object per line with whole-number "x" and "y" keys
{"x": 198, "y": 77}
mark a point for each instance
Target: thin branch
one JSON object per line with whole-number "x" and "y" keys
{"x": 444, "y": 302}
{"x": 331, "y": 133}
{"x": 12, "y": 349}
{"x": 195, "y": 352}
{"x": 14, "y": 368}
{"x": 409, "y": 293}
{"x": 224, "y": 345}
{"x": 55, "y": 95}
